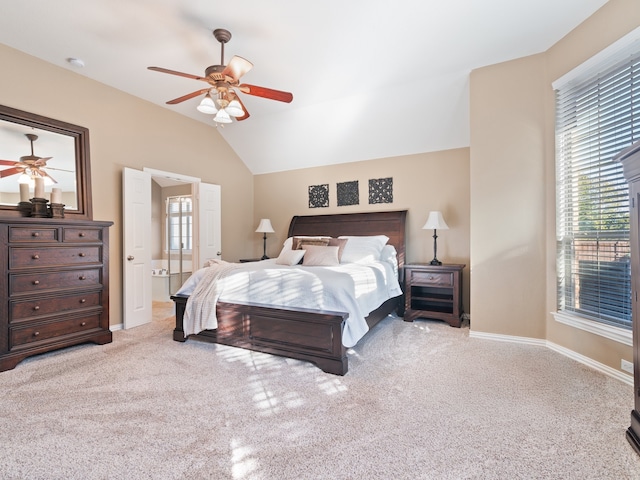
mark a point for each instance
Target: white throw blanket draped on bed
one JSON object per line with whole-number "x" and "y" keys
{"x": 353, "y": 288}
{"x": 201, "y": 315}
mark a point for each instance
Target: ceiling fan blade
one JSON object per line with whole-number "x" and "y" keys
{"x": 8, "y": 162}
{"x": 188, "y": 96}
{"x": 10, "y": 171}
{"x": 58, "y": 169}
{"x": 237, "y": 67}
{"x": 42, "y": 162}
{"x": 266, "y": 93}
{"x": 45, "y": 174}
{"x": 173, "y": 72}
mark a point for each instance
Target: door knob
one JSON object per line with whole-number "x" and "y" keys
{"x": 219, "y": 253}
{"x": 130, "y": 257}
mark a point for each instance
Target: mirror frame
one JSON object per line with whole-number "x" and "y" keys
{"x": 83, "y": 167}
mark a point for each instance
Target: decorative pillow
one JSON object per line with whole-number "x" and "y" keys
{"x": 363, "y": 249}
{"x": 320, "y": 256}
{"x": 340, "y": 243}
{"x": 302, "y": 242}
{"x": 290, "y": 257}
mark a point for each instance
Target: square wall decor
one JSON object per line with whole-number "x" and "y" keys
{"x": 348, "y": 193}
{"x": 381, "y": 190}
{"x": 319, "y": 196}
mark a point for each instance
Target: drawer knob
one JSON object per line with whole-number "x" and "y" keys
{"x": 81, "y": 234}
{"x": 82, "y": 277}
{"x": 83, "y": 300}
{"x": 35, "y": 334}
{"x": 83, "y": 324}
{"x": 36, "y": 308}
{"x": 35, "y": 234}
{"x": 36, "y": 257}
{"x": 36, "y": 282}
{"x": 431, "y": 277}
{"x": 82, "y": 254}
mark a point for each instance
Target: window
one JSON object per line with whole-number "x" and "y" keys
{"x": 179, "y": 223}
{"x": 597, "y": 115}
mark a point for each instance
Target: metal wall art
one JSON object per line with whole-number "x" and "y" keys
{"x": 319, "y": 196}
{"x": 381, "y": 190}
{"x": 348, "y": 193}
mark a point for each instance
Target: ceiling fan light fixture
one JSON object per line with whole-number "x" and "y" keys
{"x": 24, "y": 178}
{"x": 235, "y": 109}
{"x": 222, "y": 117}
{"x": 207, "y": 105}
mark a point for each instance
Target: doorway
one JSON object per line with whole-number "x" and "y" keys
{"x": 145, "y": 230}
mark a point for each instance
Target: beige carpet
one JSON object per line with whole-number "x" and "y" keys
{"x": 421, "y": 401}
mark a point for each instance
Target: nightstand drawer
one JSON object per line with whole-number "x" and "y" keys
{"x": 432, "y": 279}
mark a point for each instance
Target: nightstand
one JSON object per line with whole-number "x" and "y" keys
{"x": 433, "y": 291}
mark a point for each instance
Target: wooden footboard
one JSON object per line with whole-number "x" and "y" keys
{"x": 303, "y": 334}
{"x": 311, "y": 335}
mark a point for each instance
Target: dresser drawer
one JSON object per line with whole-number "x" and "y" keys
{"x": 33, "y": 234}
{"x": 79, "y": 234}
{"x": 51, "y": 281}
{"x": 21, "y": 335}
{"x": 48, "y": 256}
{"x": 51, "y": 306}
{"x": 431, "y": 279}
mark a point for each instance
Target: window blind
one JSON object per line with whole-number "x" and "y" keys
{"x": 597, "y": 115}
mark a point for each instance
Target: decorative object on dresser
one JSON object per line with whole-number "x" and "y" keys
{"x": 264, "y": 228}
{"x": 435, "y": 222}
{"x": 54, "y": 286}
{"x": 433, "y": 291}
{"x": 630, "y": 159}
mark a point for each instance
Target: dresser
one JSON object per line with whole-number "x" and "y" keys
{"x": 433, "y": 291}
{"x": 54, "y": 286}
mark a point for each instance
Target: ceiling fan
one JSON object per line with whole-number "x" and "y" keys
{"x": 29, "y": 165}
{"x": 220, "y": 98}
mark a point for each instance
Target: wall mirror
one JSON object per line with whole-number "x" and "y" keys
{"x": 63, "y": 150}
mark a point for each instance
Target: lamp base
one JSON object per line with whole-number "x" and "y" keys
{"x": 264, "y": 257}
{"x": 435, "y": 261}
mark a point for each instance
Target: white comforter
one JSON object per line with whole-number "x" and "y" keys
{"x": 353, "y": 288}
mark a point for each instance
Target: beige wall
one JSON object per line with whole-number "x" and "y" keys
{"x": 513, "y": 274}
{"x": 424, "y": 182}
{"x": 127, "y": 131}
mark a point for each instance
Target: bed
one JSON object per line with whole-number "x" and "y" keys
{"x": 308, "y": 334}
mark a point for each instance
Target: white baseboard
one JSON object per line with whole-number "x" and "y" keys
{"x": 114, "y": 328}
{"x": 601, "y": 367}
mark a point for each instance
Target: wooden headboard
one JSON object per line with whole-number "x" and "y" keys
{"x": 391, "y": 224}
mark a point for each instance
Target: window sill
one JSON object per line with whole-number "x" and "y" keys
{"x": 616, "y": 334}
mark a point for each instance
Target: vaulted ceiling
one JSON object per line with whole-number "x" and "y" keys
{"x": 370, "y": 78}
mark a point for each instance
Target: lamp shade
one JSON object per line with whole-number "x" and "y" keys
{"x": 207, "y": 105}
{"x": 435, "y": 222}
{"x": 222, "y": 116}
{"x": 265, "y": 226}
{"x": 234, "y": 109}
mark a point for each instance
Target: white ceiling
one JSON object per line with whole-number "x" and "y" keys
{"x": 370, "y": 78}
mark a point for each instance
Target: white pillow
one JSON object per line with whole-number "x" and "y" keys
{"x": 320, "y": 256}
{"x": 290, "y": 257}
{"x": 363, "y": 249}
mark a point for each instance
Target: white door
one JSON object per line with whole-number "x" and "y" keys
{"x": 136, "y": 206}
{"x": 207, "y": 223}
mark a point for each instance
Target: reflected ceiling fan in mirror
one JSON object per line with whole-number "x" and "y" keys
{"x": 29, "y": 166}
{"x": 220, "y": 98}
